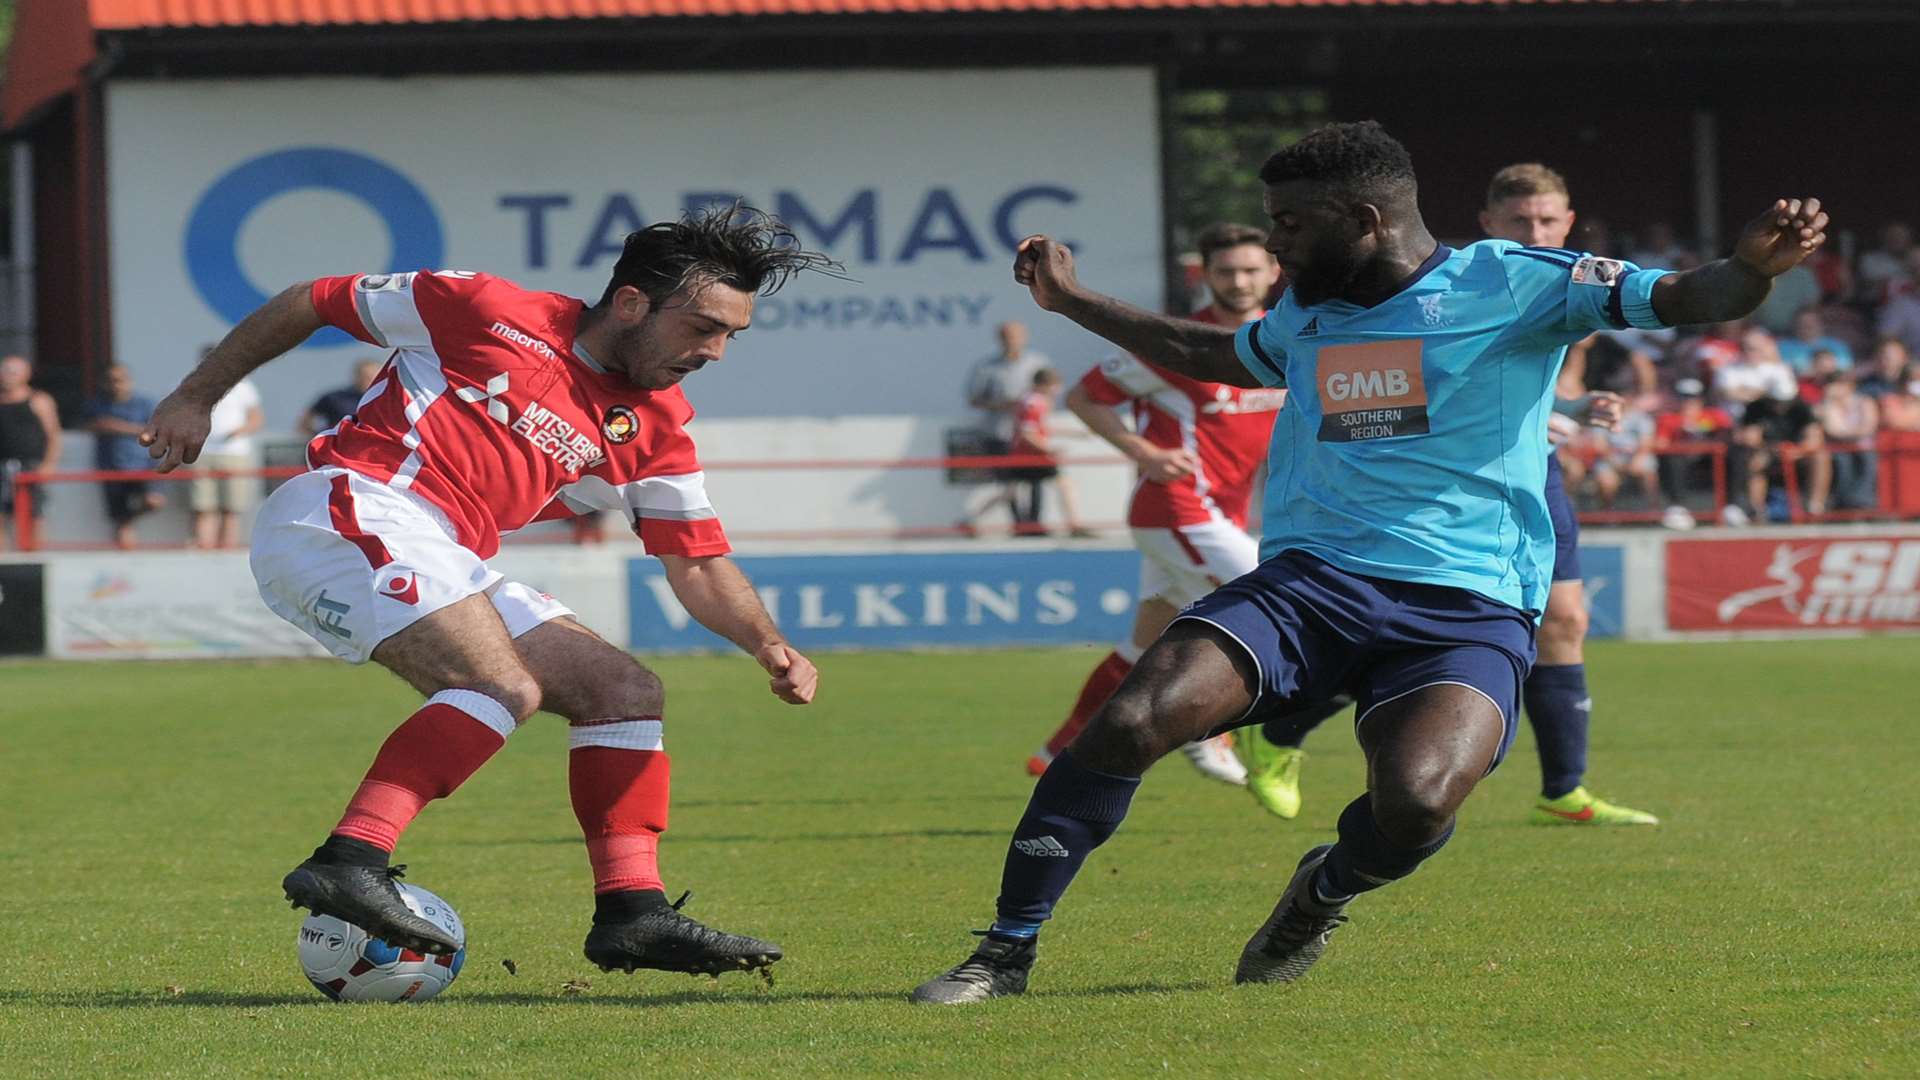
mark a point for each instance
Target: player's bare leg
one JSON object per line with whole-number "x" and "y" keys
{"x": 1425, "y": 752}
{"x": 477, "y": 693}
{"x": 1192, "y": 680}
{"x": 619, "y": 774}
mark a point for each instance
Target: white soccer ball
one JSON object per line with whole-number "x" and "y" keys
{"x": 345, "y": 963}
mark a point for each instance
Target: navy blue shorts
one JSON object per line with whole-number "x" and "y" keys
{"x": 1315, "y": 631}
{"x": 1566, "y": 527}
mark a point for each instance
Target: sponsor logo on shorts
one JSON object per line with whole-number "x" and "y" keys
{"x": 402, "y": 587}
{"x": 620, "y": 424}
{"x": 327, "y": 613}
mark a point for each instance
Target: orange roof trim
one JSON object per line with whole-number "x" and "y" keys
{"x": 154, "y": 14}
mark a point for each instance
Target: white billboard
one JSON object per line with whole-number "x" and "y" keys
{"x": 224, "y": 191}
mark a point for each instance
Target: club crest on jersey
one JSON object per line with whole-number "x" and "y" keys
{"x": 1593, "y": 270}
{"x": 620, "y": 424}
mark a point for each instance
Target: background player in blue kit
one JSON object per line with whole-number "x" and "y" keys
{"x": 1529, "y": 204}
{"x": 1408, "y": 546}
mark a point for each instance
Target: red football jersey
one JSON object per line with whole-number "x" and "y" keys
{"x": 1032, "y": 434}
{"x": 1226, "y": 428}
{"x": 490, "y": 410}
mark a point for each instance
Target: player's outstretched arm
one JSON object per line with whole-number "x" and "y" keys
{"x": 1199, "y": 350}
{"x": 181, "y": 421}
{"x": 1160, "y": 465}
{"x": 715, "y": 592}
{"x": 1730, "y": 288}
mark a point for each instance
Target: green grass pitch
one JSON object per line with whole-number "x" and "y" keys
{"x": 147, "y": 812}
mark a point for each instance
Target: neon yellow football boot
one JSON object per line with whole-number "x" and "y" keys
{"x": 1273, "y": 772}
{"x": 1580, "y": 807}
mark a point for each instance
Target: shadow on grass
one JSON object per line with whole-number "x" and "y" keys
{"x": 741, "y": 994}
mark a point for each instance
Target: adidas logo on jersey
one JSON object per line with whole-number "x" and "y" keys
{"x": 1312, "y": 329}
{"x": 1045, "y": 847}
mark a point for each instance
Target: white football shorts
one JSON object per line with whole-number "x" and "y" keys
{"x": 1182, "y": 565}
{"x": 353, "y": 562}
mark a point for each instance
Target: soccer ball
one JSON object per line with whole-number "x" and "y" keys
{"x": 345, "y": 963}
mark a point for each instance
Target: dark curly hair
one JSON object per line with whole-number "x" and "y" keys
{"x": 1359, "y": 158}
{"x": 731, "y": 244}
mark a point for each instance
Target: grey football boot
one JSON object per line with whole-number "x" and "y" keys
{"x": 997, "y": 968}
{"x": 1295, "y": 935}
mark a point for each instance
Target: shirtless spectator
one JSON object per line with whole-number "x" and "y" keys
{"x": 1850, "y": 421}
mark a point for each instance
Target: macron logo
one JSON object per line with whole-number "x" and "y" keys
{"x": 523, "y": 339}
{"x": 1046, "y": 847}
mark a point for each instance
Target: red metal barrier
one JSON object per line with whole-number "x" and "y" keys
{"x": 1899, "y": 479}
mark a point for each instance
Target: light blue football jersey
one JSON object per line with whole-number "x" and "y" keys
{"x": 1413, "y": 446}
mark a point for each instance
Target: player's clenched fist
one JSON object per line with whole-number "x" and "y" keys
{"x": 1776, "y": 241}
{"x": 1045, "y": 265}
{"x": 794, "y": 677}
{"x": 176, "y": 432}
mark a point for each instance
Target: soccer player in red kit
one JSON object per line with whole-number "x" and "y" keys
{"x": 1199, "y": 446}
{"x": 500, "y": 406}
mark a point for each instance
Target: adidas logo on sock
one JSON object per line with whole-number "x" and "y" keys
{"x": 1045, "y": 847}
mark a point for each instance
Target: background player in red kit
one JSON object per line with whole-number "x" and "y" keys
{"x": 1199, "y": 446}
{"x": 500, "y": 406}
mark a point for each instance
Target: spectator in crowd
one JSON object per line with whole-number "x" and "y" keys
{"x": 1900, "y": 315}
{"x": 1692, "y": 422}
{"x": 1849, "y": 420}
{"x": 1608, "y": 457}
{"x": 1756, "y": 373}
{"x": 336, "y": 405}
{"x": 1773, "y": 431}
{"x": 1833, "y": 272}
{"x": 1810, "y": 336}
{"x": 1888, "y": 266}
{"x": 1033, "y": 437}
{"x": 1659, "y": 249}
{"x": 219, "y": 503}
{"x": 1621, "y": 361}
{"x": 29, "y": 436}
{"x": 116, "y": 421}
{"x": 1705, "y": 355}
{"x": 1900, "y": 411}
{"x": 1891, "y": 371}
{"x": 1813, "y": 381}
{"x": 998, "y": 386}
{"x": 1795, "y": 291}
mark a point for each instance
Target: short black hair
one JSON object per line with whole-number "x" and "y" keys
{"x": 1361, "y": 158}
{"x": 1222, "y": 235}
{"x": 718, "y": 244}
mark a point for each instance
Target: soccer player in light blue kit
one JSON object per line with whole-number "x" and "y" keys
{"x": 1408, "y": 548}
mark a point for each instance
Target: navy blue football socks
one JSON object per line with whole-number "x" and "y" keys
{"x": 1073, "y": 810}
{"x": 1558, "y": 708}
{"x": 1363, "y": 859}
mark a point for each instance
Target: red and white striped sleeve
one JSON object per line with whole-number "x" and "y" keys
{"x": 387, "y": 309}
{"x": 1120, "y": 379}
{"x": 665, "y": 502}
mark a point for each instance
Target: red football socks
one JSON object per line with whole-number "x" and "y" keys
{"x": 1100, "y": 686}
{"x": 424, "y": 759}
{"x": 619, "y": 776}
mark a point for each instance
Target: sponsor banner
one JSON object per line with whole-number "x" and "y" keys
{"x": 1605, "y": 577}
{"x": 911, "y": 600}
{"x": 1795, "y": 583}
{"x": 163, "y": 606}
{"x": 23, "y": 618}
{"x": 913, "y": 180}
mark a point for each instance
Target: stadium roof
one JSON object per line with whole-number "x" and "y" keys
{"x": 56, "y": 42}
